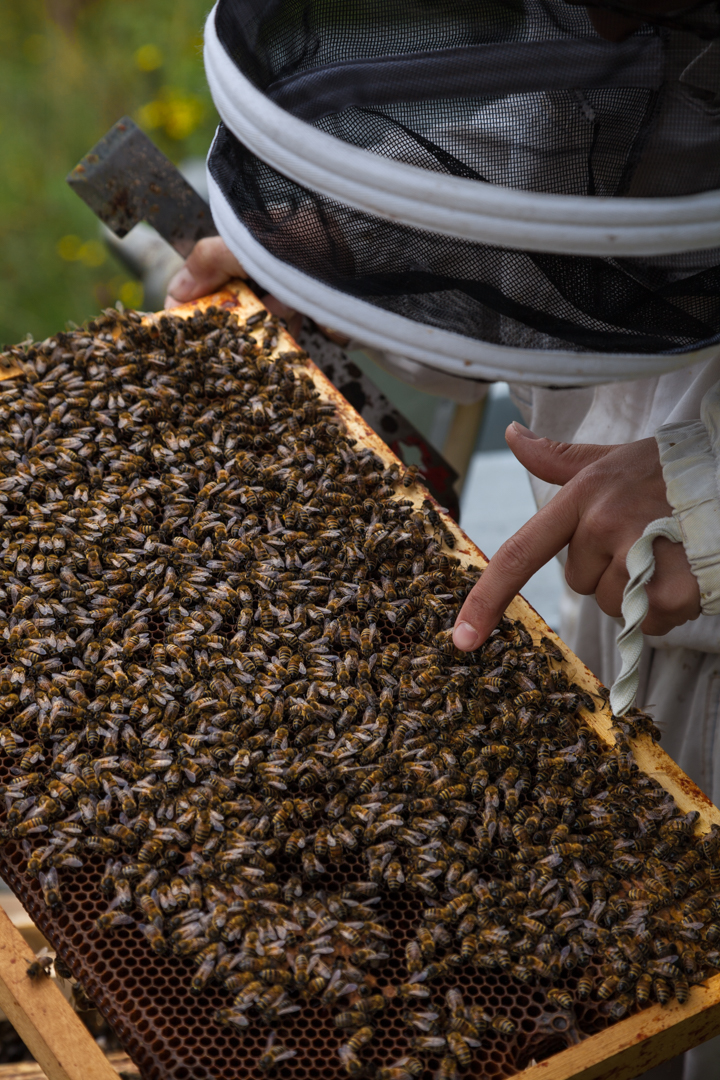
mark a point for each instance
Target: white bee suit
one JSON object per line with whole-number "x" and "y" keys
{"x": 679, "y": 672}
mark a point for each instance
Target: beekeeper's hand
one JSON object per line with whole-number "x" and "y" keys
{"x": 208, "y": 267}
{"x": 609, "y": 494}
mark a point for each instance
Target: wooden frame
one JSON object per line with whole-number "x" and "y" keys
{"x": 623, "y": 1051}
{"x": 44, "y": 1020}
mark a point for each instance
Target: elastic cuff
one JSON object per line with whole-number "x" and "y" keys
{"x": 689, "y": 470}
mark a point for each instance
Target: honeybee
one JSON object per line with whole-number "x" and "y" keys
{"x": 504, "y": 1025}
{"x": 643, "y": 988}
{"x": 413, "y": 991}
{"x": 459, "y": 1047}
{"x": 361, "y": 890}
{"x": 403, "y": 1068}
{"x": 608, "y": 987}
{"x": 41, "y": 965}
{"x": 429, "y": 1043}
{"x": 50, "y": 886}
{"x": 665, "y": 968}
{"x": 447, "y": 1069}
{"x": 426, "y": 943}
{"x": 155, "y": 938}
{"x": 561, "y": 998}
{"x": 413, "y": 957}
{"x": 620, "y": 1006}
{"x": 232, "y": 1017}
{"x": 207, "y": 960}
{"x": 351, "y": 1062}
{"x": 424, "y": 1020}
{"x": 109, "y": 920}
{"x": 366, "y": 641}
{"x": 360, "y": 1038}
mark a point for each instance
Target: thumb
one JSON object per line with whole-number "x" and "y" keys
{"x": 209, "y": 266}
{"x": 554, "y": 462}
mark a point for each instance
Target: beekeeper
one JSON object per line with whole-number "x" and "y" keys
{"x": 605, "y": 461}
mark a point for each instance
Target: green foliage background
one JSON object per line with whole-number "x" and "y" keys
{"x": 68, "y": 70}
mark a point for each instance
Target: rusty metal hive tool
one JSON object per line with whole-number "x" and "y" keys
{"x": 126, "y": 179}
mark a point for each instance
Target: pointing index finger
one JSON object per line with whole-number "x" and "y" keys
{"x": 538, "y": 541}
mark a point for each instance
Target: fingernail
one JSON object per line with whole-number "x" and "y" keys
{"x": 521, "y": 430}
{"x": 465, "y": 637}
{"x": 182, "y": 285}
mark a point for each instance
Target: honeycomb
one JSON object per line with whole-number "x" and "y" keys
{"x": 145, "y": 996}
{"x": 171, "y": 1034}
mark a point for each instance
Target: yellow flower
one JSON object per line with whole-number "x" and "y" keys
{"x": 151, "y": 115}
{"x": 92, "y": 253}
{"x": 72, "y": 249}
{"x": 68, "y": 248}
{"x": 182, "y": 116}
{"x": 175, "y": 111}
{"x": 131, "y": 294}
{"x": 148, "y": 58}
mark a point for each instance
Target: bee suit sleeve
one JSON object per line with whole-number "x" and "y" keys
{"x": 690, "y": 457}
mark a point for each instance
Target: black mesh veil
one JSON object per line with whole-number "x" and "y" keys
{"x": 521, "y": 94}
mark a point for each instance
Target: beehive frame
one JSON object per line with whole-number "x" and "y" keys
{"x": 139, "y": 995}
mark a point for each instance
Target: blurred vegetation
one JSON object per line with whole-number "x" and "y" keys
{"x": 70, "y": 69}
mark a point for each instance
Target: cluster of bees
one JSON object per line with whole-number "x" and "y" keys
{"x": 227, "y": 666}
